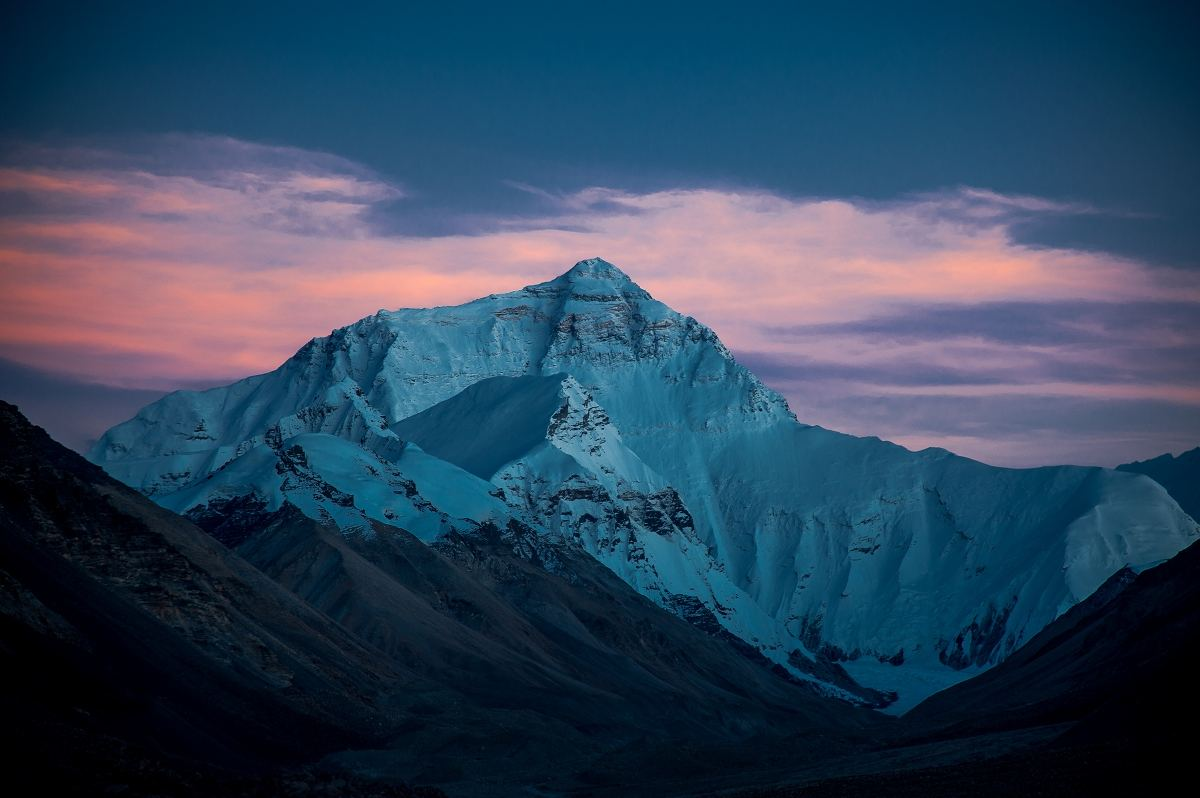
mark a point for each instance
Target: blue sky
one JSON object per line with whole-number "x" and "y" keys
{"x": 1076, "y": 122}
{"x": 1094, "y": 102}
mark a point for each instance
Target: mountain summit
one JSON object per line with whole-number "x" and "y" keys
{"x": 596, "y": 269}
{"x": 586, "y": 410}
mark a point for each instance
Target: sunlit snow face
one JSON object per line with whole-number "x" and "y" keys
{"x": 918, "y": 319}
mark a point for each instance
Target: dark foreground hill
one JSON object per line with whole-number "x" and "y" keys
{"x": 143, "y": 655}
{"x": 138, "y": 651}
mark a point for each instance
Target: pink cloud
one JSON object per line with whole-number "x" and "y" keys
{"x": 228, "y": 269}
{"x": 33, "y": 180}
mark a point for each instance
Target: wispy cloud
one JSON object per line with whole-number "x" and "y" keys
{"x": 1166, "y": 323}
{"x": 183, "y": 258}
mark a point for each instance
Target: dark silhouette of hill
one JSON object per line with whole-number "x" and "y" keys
{"x": 144, "y": 653}
{"x": 1179, "y": 475}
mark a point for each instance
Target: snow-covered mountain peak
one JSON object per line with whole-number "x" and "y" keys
{"x": 596, "y": 270}
{"x": 593, "y": 280}
{"x": 602, "y": 416}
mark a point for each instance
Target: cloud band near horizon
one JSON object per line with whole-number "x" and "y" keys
{"x": 197, "y": 260}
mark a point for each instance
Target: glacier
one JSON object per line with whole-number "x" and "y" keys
{"x": 590, "y": 412}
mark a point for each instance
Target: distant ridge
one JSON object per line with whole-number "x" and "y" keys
{"x": 1179, "y": 475}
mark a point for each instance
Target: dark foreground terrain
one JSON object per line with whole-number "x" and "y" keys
{"x": 142, "y": 656}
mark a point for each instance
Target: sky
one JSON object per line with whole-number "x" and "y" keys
{"x": 962, "y": 225}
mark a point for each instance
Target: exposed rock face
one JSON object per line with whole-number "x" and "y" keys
{"x": 585, "y": 409}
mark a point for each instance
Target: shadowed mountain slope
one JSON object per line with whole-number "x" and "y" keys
{"x": 127, "y": 629}
{"x": 586, "y": 681}
{"x": 483, "y": 663}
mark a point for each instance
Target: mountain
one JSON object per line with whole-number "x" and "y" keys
{"x": 586, "y": 410}
{"x": 144, "y": 658}
{"x": 1179, "y": 475}
{"x": 142, "y": 652}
